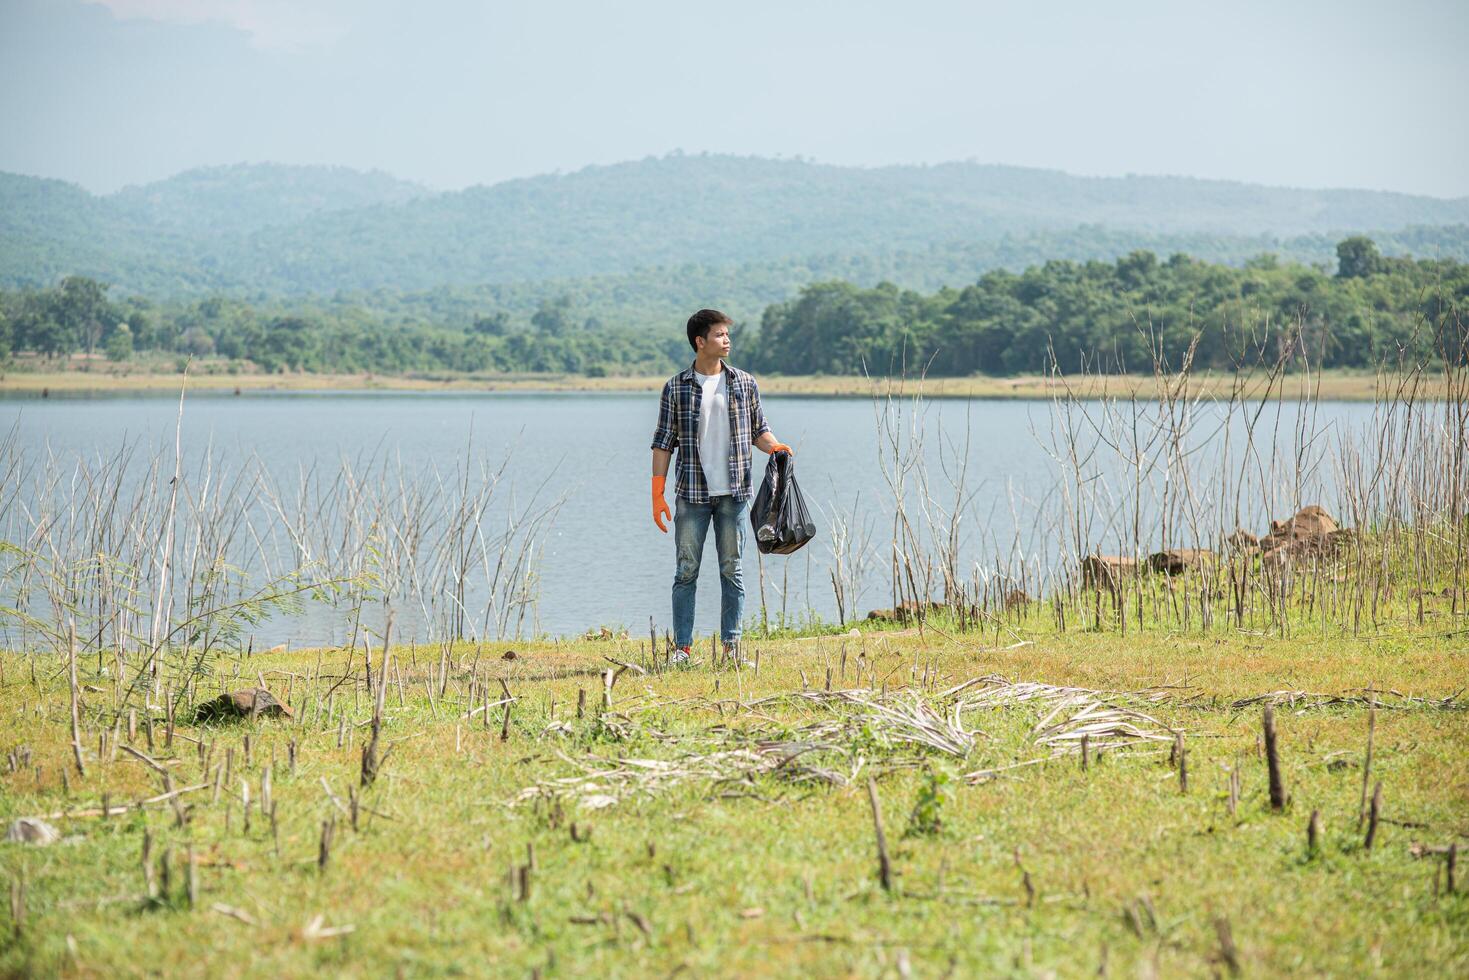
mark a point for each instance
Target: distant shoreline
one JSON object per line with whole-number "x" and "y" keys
{"x": 1330, "y": 385}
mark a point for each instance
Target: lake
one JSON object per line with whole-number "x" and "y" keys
{"x": 603, "y": 562}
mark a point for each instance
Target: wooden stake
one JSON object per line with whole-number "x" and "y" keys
{"x": 1374, "y": 811}
{"x": 148, "y": 881}
{"x": 76, "y": 727}
{"x": 18, "y": 905}
{"x": 1367, "y": 766}
{"x": 370, "y": 760}
{"x": 1227, "y": 949}
{"x": 192, "y": 886}
{"x": 324, "y": 852}
{"x": 1313, "y": 834}
{"x": 1272, "y": 760}
{"x": 884, "y": 866}
{"x": 1182, "y": 754}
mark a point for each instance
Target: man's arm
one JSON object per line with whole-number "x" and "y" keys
{"x": 665, "y": 433}
{"x": 665, "y": 439}
{"x": 762, "y": 438}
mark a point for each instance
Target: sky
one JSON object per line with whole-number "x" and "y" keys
{"x": 451, "y": 93}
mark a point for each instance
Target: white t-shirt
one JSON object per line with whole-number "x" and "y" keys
{"x": 714, "y": 432}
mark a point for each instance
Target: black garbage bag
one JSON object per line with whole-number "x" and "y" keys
{"x": 779, "y": 516}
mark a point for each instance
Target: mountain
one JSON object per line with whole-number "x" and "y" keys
{"x": 268, "y": 230}
{"x": 238, "y": 199}
{"x": 50, "y": 229}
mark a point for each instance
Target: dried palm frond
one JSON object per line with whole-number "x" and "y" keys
{"x": 997, "y": 692}
{"x": 855, "y": 695}
{"x": 1375, "y": 699}
{"x": 912, "y": 721}
{"x": 900, "y": 717}
{"x": 1103, "y": 725}
{"x": 605, "y": 782}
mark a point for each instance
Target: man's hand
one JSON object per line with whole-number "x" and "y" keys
{"x": 767, "y": 443}
{"x": 660, "y": 506}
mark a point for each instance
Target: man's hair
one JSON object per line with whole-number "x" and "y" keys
{"x": 702, "y": 322}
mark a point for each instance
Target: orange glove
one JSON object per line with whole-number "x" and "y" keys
{"x": 781, "y": 446}
{"x": 660, "y": 507}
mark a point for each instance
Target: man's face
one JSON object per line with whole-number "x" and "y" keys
{"x": 716, "y": 341}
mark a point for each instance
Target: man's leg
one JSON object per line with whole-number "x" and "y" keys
{"x": 729, "y": 542}
{"x": 690, "y": 526}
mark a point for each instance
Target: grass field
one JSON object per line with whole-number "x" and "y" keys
{"x": 102, "y": 377}
{"x": 752, "y": 850}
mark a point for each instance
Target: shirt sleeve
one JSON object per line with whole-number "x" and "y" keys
{"x": 665, "y": 435}
{"x": 758, "y": 425}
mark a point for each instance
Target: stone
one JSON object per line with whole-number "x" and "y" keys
{"x": 1176, "y": 561}
{"x": 1106, "y": 571}
{"x": 32, "y": 830}
{"x": 250, "y": 702}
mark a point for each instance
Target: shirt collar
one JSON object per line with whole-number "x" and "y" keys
{"x": 688, "y": 374}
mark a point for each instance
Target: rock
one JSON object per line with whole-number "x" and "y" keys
{"x": 1310, "y": 531}
{"x": 1242, "y": 540}
{"x": 32, "y": 830}
{"x": 1176, "y": 561}
{"x": 604, "y": 633}
{"x": 854, "y": 632}
{"x": 1311, "y": 520}
{"x": 250, "y": 702}
{"x": 905, "y": 611}
{"x": 1106, "y": 571}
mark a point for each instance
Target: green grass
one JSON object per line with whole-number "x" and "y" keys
{"x": 769, "y": 877}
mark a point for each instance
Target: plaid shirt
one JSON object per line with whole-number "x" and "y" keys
{"x": 678, "y": 428}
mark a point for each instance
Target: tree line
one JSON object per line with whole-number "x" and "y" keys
{"x": 1119, "y": 316}
{"x": 77, "y": 316}
{"x": 1097, "y": 315}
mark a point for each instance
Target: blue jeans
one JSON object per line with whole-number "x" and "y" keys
{"x": 690, "y": 526}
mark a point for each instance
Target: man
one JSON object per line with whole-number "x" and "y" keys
{"x": 711, "y": 414}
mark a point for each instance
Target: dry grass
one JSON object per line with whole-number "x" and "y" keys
{"x": 467, "y": 858}
{"x": 1334, "y": 385}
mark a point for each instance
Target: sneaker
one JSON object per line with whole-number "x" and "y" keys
{"x": 681, "y": 657}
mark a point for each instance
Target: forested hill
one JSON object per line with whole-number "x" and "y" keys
{"x": 221, "y": 201}
{"x": 289, "y": 231}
